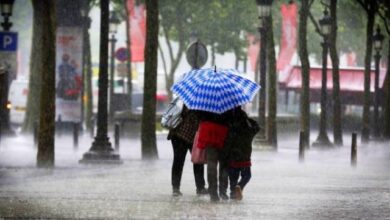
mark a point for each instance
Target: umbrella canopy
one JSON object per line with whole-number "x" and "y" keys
{"x": 215, "y": 90}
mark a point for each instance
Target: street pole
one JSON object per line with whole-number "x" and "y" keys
{"x": 264, "y": 11}
{"x": 323, "y": 139}
{"x": 377, "y": 41}
{"x": 112, "y": 75}
{"x": 376, "y": 96}
{"x": 101, "y": 150}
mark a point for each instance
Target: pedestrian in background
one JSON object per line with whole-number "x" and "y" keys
{"x": 182, "y": 138}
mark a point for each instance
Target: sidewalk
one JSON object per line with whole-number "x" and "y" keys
{"x": 325, "y": 186}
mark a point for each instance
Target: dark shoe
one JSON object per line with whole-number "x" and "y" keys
{"x": 233, "y": 195}
{"x": 214, "y": 197}
{"x": 224, "y": 196}
{"x": 238, "y": 192}
{"x": 176, "y": 193}
{"x": 202, "y": 191}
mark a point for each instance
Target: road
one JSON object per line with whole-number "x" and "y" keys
{"x": 324, "y": 186}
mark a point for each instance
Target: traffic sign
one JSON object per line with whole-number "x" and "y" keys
{"x": 121, "y": 68}
{"x": 121, "y": 54}
{"x": 196, "y": 54}
{"x": 8, "y": 41}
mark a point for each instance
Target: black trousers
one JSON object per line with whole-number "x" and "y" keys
{"x": 216, "y": 174}
{"x": 234, "y": 175}
{"x": 180, "y": 149}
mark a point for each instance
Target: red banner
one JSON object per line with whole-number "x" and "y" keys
{"x": 137, "y": 19}
{"x": 351, "y": 59}
{"x": 289, "y": 35}
{"x": 253, "y": 50}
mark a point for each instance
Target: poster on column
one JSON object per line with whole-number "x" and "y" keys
{"x": 69, "y": 74}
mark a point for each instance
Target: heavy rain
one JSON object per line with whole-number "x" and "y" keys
{"x": 102, "y": 103}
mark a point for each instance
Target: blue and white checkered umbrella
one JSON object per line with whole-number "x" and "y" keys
{"x": 215, "y": 90}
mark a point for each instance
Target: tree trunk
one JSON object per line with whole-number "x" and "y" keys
{"x": 128, "y": 62}
{"x": 255, "y": 102}
{"x": 148, "y": 135}
{"x": 304, "y": 57}
{"x": 237, "y": 56}
{"x": 36, "y": 68}
{"x": 174, "y": 65}
{"x": 337, "y": 129}
{"x": 386, "y": 130}
{"x": 272, "y": 91}
{"x": 262, "y": 119}
{"x": 88, "y": 71}
{"x": 367, "y": 73}
{"x": 45, "y": 155}
{"x": 174, "y": 60}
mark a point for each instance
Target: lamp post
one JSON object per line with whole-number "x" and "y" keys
{"x": 323, "y": 139}
{"x": 113, "y": 27}
{"x": 101, "y": 150}
{"x": 264, "y": 11}
{"x": 6, "y": 11}
{"x": 378, "y": 39}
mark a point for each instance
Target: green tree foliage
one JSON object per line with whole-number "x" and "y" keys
{"x": 218, "y": 24}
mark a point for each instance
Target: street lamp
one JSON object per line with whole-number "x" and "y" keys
{"x": 113, "y": 27}
{"x": 377, "y": 39}
{"x": 101, "y": 150}
{"x": 264, "y": 12}
{"x": 325, "y": 23}
{"x": 6, "y": 12}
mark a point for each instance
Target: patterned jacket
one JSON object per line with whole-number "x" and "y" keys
{"x": 187, "y": 128}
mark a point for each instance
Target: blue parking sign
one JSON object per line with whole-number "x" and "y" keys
{"x": 8, "y": 41}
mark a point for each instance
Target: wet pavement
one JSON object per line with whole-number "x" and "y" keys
{"x": 324, "y": 186}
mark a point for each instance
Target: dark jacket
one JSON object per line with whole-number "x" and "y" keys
{"x": 187, "y": 128}
{"x": 224, "y": 118}
{"x": 238, "y": 147}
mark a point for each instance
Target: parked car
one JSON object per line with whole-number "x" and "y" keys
{"x": 17, "y": 97}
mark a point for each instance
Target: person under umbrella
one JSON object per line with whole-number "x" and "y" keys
{"x": 182, "y": 138}
{"x": 214, "y": 94}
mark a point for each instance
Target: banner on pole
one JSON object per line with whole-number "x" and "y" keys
{"x": 137, "y": 20}
{"x": 288, "y": 42}
{"x": 69, "y": 53}
{"x": 253, "y": 50}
